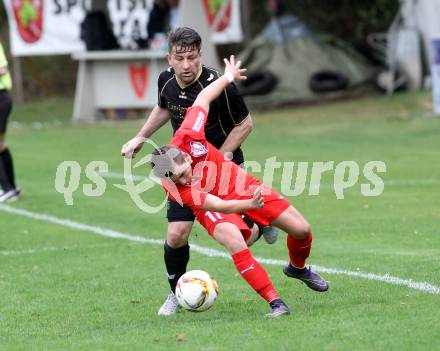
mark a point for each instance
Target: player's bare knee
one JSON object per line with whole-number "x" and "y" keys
{"x": 250, "y": 241}
{"x": 302, "y": 231}
{"x": 235, "y": 245}
{"x": 253, "y": 237}
{"x": 230, "y": 237}
{"x": 306, "y": 229}
{"x": 177, "y": 237}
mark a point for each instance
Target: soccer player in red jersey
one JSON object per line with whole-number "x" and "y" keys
{"x": 195, "y": 173}
{"x": 227, "y": 126}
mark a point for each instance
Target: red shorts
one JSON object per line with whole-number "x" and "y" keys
{"x": 274, "y": 205}
{"x": 209, "y": 219}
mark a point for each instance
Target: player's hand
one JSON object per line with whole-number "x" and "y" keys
{"x": 257, "y": 198}
{"x": 233, "y": 70}
{"x": 132, "y": 147}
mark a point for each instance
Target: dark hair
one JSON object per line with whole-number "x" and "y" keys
{"x": 164, "y": 159}
{"x": 185, "y": 38}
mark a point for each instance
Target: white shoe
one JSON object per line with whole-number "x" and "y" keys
{"x": 170, "y": 306}
{"x": 270, "y": 234}
{"x": 10, "y": 195}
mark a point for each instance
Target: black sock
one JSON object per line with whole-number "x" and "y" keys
{"x": 5, "y": 161}
{"x": 176, "y": 261}
{"x": 7, "y": 157}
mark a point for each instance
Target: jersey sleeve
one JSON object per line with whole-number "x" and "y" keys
{"x": 161, "y": 81}
{"x": 187, "y": 195}
{"x": 194, "y": 123}
{"x": 234, "y": 107}
{"x": 193, "y": 197}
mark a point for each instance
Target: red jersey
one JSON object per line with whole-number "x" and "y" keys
{"x": 211, "y": 172}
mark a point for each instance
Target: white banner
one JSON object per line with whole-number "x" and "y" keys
{"x": 130, "y": 19}
{"x": 42, "y": 27}
{"x": 52, "y": 27}
{"x": 225, "y": 21}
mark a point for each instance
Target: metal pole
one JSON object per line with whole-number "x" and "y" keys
{"x": 246, "y": 8}
{"x": 18, "y": 79}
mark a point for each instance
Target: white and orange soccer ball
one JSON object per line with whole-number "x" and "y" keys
{"x": 196, "y": 291}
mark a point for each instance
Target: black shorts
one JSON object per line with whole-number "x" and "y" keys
{"x": 178, "y": 213}
{"x": 5, "y": 109}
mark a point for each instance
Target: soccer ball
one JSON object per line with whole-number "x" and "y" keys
{"x": 196, "y": 291}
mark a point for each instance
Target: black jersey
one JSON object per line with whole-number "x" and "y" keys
{"x": 225, "y": 112}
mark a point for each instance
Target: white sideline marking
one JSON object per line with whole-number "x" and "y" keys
{"x": 422, "y": 286}
{"x": 115, "y": 175}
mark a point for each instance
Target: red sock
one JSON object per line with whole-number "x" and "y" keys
{"x": 255, "y": 275}
{"x": 299, "y": 250}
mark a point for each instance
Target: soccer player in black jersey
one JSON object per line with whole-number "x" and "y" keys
{"x": 228, "y": 125}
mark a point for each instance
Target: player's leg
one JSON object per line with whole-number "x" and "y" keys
{"x": 299, "y": 244}
{"x": 231, "y": 237}
{"x": 4, "y": 179}
{"x": 254, "y": 236}
{"x": 9, "y": 191}
{"x": 278, "y": 212}
{"x": 269, "y": 233}
{"x": 255, "y": 231}
{"x": 176, "y": 251}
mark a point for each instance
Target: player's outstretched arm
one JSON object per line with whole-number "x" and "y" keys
{"x": 233, "y": 72}
{"x": 214, "y": 203}
{"x": 157, "y": 118}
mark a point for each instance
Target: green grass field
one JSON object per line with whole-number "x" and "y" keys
{"x": 64, "y": 287}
